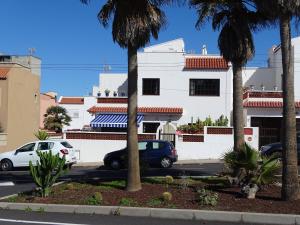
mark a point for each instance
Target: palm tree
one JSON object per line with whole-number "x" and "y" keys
{"x": 55, "y": 118}
{"x": 133, "y": 24}
{"x": 283, "y": 11}
{"x": 235, "y": 42}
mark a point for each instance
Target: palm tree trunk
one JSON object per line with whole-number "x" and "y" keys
{"x": 290, "y": 183}
{"x": 133, "y": 176}
{"x": 238, "y": 112}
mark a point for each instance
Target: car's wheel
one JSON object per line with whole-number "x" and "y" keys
{"x": 115, "y": 164}
{"x": 166, "y": 162}
{"x": 6, "y": 165}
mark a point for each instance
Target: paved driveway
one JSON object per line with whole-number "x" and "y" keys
{"x": 23, "y": 182}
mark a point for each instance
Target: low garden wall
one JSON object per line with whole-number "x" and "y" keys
{"x": 212, "y": 144}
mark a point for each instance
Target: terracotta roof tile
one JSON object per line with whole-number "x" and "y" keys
{"x": 70, "y": 100}
{"x": 164, "y": 110}
{"x": 266, "y": 104}
{"x": 3, "y": 72}
{"x": 206, "y": 63}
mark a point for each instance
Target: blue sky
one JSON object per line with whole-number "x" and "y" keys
{"x": 74, "y": 47}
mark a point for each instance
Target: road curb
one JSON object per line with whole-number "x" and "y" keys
{"x": 184, "y": 214}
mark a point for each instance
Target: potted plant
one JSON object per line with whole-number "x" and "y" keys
{"x": 107, "y": 92}
{"x": 115, "y": 94}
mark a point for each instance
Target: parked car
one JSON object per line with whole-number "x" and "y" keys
{"x": 152, "y": 152}
{"x": 275, "y": 149}
{"x": 21, "y": 157}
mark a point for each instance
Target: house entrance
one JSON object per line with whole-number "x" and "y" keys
{"x": 168, "y": 133}
{"x": 270, "y": 129}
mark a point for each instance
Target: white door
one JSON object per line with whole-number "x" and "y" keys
{"x": 24, "y": 154}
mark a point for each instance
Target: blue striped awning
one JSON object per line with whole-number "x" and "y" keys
{"x": 113, "y": 120}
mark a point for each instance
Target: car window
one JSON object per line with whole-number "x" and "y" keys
{"x": 66, "y": 144}
{"x": 27, "y": 148}
{"x": 143, "y": 146}
{"x": 45, "y": 146}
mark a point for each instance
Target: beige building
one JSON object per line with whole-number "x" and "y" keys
{"x": 19, "y": 100}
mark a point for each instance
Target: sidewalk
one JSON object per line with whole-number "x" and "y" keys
{"x": 179, "y": 162}
{"x": 181, "y": 214}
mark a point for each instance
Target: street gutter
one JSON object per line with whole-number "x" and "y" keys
{"x": 184, "y": 214}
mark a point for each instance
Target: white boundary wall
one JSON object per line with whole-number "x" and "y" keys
{"x": 213, "y": 147}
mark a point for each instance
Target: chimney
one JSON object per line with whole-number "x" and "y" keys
{"x": 204, "y": 50}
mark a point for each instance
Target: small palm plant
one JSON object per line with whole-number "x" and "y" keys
{"x": 41, "y": 135}
{"x": 47, "y": 170}
{"x": 254, "y": 171}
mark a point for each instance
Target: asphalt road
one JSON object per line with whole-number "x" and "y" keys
{"x": 23, "y": 181}
{"x": 10, "y": 217}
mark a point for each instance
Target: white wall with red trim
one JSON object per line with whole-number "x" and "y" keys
{"x": 213, "y": 147}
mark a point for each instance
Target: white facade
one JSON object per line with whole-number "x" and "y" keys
{"x": 167, "y": 62}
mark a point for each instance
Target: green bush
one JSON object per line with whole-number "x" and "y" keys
{"x": 47, "y": 170}
{"x": 169, "y": 180}
{"x": 207, "y": 197}
{"x": 96, "y": 199}
{"x": 128, "y": 202}
{"x": 199, "y": 124}
{"x": 167, "y": 196}
{"x": 154, "y": 202}
{"x": 70, "y": 186}
{"x": 251, "y": 167}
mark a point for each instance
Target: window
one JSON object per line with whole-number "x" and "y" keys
{"x": 66, "y": 144}
{"x": 150, "y": 127}
{"x": 45, "y": 146}
{"x": 142, "y": 146}
{"x": 150, "y": 86}
{"x": 27, "y": 148}
{"x": 204, "y": 87}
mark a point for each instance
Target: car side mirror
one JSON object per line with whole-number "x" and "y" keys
{"x": 17, "y": 151}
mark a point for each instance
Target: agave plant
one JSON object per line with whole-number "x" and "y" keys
{"x": 41, "y": 135}
{"x": 253, "y": 170}
{"x": 47, "y": 170}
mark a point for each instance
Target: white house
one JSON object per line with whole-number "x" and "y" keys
{"x": 173, "y": 87}
{"x": 263, "y": 101}
{"x": 176, "y": 88}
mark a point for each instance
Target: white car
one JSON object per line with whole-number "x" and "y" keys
{"x": 28, "y": 152}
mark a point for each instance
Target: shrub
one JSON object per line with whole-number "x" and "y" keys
{"x": 154, "y": 202}
{"x": 167, "y": 196}
{"x": 47, "y": 170}
{"x": 207, "y": 197}
{"x": 70, "y": 186}
{"x": 41, "y": 135}
{"x": 96, "y": 199}
{"x": 128, "y": 202}
{"x": 199, "y": 124}
{"x": 250, "y": 170}
{"x": 169, "y": 180}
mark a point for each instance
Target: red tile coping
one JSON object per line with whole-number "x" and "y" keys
{"x": 72, "y": 100}
{"x": 192, "y": 138}
{"x": 3, "y": 72}
{"x": 105, "y": 136}
{"x": 262, "y": 94}
{"x": 227, "y": 131}
{"x": 112, "y": 100}
{"x": 266, "y": 104}
{"x": 163, "y": 110}
{"x": 206, "y": 63}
